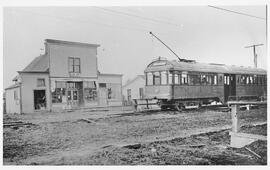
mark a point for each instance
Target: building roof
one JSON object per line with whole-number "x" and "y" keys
{"x": 134, "y": 79}
{"x": 39, "y": 64}
{"x": 70, "y": 43}
{"x": 202, "y": 67}
{"x": 13, "y": 86}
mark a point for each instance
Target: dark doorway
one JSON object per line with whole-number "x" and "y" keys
{"x": 229, "y": 86}
{"x": 39, "y": 99}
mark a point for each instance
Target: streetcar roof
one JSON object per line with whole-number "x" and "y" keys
{"x": 159, "y": 65}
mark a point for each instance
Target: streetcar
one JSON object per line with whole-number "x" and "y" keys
{"x": 178, "y": 84}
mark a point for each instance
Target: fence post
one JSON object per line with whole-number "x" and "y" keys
{"x": 235, "y": 120}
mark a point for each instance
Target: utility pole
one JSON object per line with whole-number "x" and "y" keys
{"x": 254, "y": 52}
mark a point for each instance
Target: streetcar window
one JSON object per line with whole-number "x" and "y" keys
{"x": 197, "y": 80}
{"x": 149, "y": 79}
{"x": 215, "y": 79}
{"x": 255, "y": 79}
{"x": 251, "y": 80}
{"x": 194, "y": 79}
{"x": 264, "y": 80}
{"x": 170, "y": 78}
{"x": 247, "y": 80}
{"x": 156, "y": 78}
{"x": 220, "y": 79}
{"x": 203, "y": 79}
{"x": 176, "y": 78}
{"x": 184, "y": 78}
{"x": 259, "y": 80}
{"x": 163, "y": 77}
{"x": 243, "y": 79}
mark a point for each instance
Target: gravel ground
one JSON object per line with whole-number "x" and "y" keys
{"x": 204, "y": 149}
{"x": 69, "y": 138}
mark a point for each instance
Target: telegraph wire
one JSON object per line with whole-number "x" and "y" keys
{"x": 137, "y": 16}
{"x": 144, "y": 30}
{"x": 84, "y": 21}
{"x": 236, "y": 12}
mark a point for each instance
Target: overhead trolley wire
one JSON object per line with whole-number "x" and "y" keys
{"x": 236, "y": 12}
{"x": 137, "y": 16}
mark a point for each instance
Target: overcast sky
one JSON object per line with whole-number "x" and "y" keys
{"x": 200, "y": 33}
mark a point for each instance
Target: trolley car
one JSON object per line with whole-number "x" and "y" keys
{"x": 177, "y": 84}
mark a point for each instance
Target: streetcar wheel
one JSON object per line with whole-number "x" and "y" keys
{"x": 163, "y": 108}
{"x": 179, "y": 107}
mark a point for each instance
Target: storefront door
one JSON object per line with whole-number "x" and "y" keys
{"x": 72, "y": 97}
{"x": 72, "y": 94}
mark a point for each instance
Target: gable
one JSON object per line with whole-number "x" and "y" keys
{"x": 137, "y": 78}
{"x": 39, "y": 64}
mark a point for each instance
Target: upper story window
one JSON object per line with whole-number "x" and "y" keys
{"x": 74, "y": 65}
{"x": 41, "y": 82}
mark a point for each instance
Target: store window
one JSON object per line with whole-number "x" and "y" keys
{"x": 59, "y": 92}
{"x": 90, "y": 90}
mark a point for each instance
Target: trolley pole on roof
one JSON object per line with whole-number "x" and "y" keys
{"x": 166, "y": 46}
{"x": 254, "y": 52}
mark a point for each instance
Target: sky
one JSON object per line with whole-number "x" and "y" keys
{"x": 200, "y": 33}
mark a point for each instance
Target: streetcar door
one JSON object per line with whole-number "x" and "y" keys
{"x": 229, "y": 86}
{"x": 233, "y": 85}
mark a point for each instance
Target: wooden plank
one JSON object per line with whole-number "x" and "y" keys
{"x": 249, "y": 136}
{"x": 18, "y": 124}
{"x": 254, "y": 153}
{"x": 246, "y": 102}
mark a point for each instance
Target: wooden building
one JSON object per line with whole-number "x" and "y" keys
{"x": 65, "y": 77}
{"x": 134, "y": 89}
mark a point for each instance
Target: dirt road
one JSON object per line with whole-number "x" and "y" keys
{"x": 67, "y": 136}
